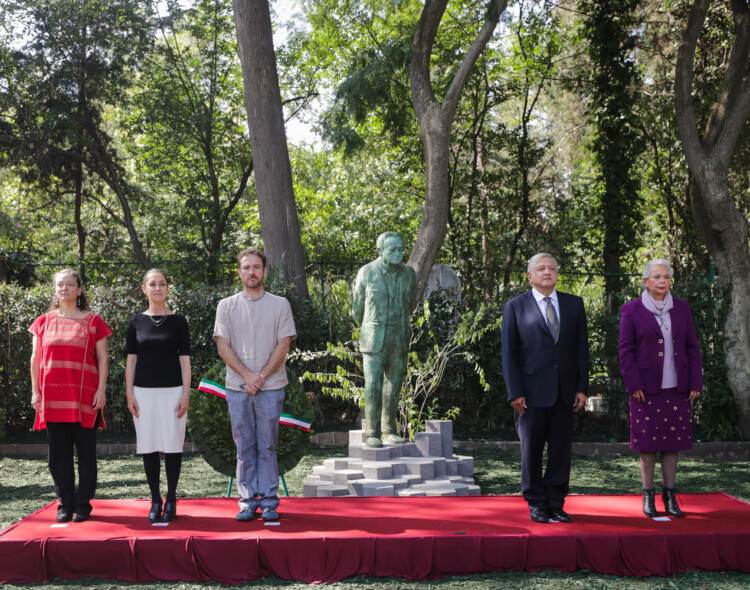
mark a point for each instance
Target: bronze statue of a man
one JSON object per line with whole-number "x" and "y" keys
{"x": 381, "y": 305}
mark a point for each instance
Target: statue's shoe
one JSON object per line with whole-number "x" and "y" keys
{"x": 393, "y": 439}
{"x": 373, "y": 441}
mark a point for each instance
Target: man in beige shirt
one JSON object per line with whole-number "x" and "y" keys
{"x": 253, "y": 332}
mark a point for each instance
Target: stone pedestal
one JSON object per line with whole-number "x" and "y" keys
{"x": 425, "y": 467}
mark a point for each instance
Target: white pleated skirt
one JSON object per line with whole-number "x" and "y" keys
{"x": 157, "y": 427}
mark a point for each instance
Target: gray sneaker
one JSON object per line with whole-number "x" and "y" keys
{"x": 269, "y": 514}
{"x": 246, "y": 514}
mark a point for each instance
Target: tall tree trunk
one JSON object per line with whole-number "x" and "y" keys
{"x": 722, "y": 225}
{"x": 435, "y": 122}
{"x": 80, "y": 230}
{"x": 273, "y": 171}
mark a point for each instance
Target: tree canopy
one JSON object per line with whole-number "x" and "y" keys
{"x": 607, "y": 133}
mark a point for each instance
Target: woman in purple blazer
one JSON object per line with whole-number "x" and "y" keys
{"x": 661, "y": 365}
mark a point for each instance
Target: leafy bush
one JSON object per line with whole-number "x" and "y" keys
{"x": 715, "y": 412}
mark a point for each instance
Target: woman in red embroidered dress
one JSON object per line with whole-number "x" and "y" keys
{"x": 68, "y": 391}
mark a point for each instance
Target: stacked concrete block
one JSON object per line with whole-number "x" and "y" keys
{"x": 429, "y": 444}
{"x": 445, "y": 429}
{"x": 425, "y": 467}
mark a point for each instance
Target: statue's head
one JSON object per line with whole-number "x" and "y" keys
{"x": 391, "y": 247}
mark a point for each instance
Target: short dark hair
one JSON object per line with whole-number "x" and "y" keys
{"x": 251, "y": 252}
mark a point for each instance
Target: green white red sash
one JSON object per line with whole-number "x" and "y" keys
{"x": 286, "y": 419}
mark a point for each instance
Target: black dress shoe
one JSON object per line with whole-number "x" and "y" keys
{"x": 80, "y": 517}
{"x": 154, "y": 515}
{"x": 64, "y": 515}
{"x": 538, "y": 515}
{"x": 560, "y": 516}
{"x": 170, "y": 512}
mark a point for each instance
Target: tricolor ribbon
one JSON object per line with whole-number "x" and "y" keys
{"x": 289, "y": 420}
{"x": 211, "y": 387}
{"x": 221, "y": 391}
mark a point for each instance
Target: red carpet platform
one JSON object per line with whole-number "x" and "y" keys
{"x": 327, "y": 539}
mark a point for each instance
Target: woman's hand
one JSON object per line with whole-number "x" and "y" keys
{"x": 100, "y": 399}
{"x": 36, "y": 400}
{"x": 638, "y": 395}
{"x": 182, "y": 405}
{"x": 694, "y": 395}
{"x": 133, "y": 405}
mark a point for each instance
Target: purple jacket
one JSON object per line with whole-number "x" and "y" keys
{"x": 642, "y": 349}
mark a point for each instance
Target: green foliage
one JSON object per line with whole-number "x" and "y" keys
{"x": 715, "y": 412}
{"x": 186, "y": 126}
{"x": 345, "y": 203}
{"x": 463, "y": 349}
{"x": 609, "y": 28}
{"x": 293, "y": 442}
{"x": 209, "y": 425}
{"x": 18, "y": 309}
{"x": 337, "y": 371}
{"x": 65, "y": 66}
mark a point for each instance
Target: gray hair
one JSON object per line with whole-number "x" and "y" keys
{"x": 656, "y": 262}
{"x": 536, "y": 258}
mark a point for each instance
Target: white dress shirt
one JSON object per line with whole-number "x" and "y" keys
{"x": 543, "y": 304}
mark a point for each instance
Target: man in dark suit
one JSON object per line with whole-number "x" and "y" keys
{"x": 546, "y": 367}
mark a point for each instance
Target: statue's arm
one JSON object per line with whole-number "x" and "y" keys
{"x": 358, "y": 298}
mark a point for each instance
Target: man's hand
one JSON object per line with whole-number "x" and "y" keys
{"x": 254, "y": 382}
{"x": 519, "y": 405}
{"x": 580, "y": 401}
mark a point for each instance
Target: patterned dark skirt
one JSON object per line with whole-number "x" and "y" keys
{"x": 661, "y": 422}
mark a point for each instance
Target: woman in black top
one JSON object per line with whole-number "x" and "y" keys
{"x": 157, "y": 377}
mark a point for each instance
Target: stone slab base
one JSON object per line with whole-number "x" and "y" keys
{"x": 426, "y": 467}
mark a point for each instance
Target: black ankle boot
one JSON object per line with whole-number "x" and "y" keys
{"x": 154, "y": 515}
{"x": 649, "y": 502}
{"x": 170, "y": 511}
{"x": 669, "y": 495}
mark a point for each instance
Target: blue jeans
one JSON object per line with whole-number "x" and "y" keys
{"x": 255, "y": 429}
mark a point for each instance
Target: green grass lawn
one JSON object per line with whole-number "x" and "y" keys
{"x": 25, "y": 486}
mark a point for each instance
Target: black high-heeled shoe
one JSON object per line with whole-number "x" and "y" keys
{"x": 154, "y": 514}
{"x": 669, "y": 495}
{"x": 649, "y": 502}
{"x": 170, "y": 511}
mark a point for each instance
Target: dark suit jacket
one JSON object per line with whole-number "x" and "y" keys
{"x": 534, "y": 365}
{"x": 642, "y": 348}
